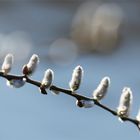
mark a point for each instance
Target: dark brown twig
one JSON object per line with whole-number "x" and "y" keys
{"x": 68, "y": 92}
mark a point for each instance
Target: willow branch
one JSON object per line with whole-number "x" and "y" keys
{"x": 68, "y": 92}
{"x": 81, "y": 97}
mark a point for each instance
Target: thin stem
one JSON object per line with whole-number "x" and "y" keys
{"x": 105, "y": 107}
{"x": 68, "y": 92}
{"x": 81, "y": 97}
{"x": 33, "y": 82}
{"x": 10, "y": 76}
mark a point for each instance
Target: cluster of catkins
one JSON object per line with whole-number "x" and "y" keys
{"x": 123, "y": 110}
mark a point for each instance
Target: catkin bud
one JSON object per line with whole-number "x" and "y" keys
{"x": 16, "y": 83}
{"x": 75, "y": 82}
{"x": 48, "y": 78}
{"x": 31, "y": 66}
{"x": 42, "y": 90}
{"x": 123, "y": 109}
{"x": 7, "y": 64}
{"x": 85, "y": 103}
{"x": 138, "y": 116}
{"x": 100, "y": 92}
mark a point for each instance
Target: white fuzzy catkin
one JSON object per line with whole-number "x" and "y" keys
{"x": 48, "y": 78}
{"x": 100, "y": 92}
{"x": 123, "y": 109}
{"x": 32, "y": 64}
{"x": 85, "y": 103}
{"x": 75, "y": 82}
{"x": 7, "y": 64}
{"x": 16, "y": 83}
{"x": 138, "y": 116}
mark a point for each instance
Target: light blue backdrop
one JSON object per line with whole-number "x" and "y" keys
{"x": 25, "y": 114}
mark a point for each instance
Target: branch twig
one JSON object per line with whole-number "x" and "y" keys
{"x": 68, "y": 92}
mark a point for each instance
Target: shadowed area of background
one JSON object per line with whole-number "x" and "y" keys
{"x": 101, "y": 36}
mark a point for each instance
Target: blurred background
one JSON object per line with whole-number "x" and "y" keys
{"x": 102, "y": 36}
